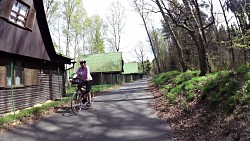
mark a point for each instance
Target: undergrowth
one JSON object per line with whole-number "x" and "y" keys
{"x": 221, "y": 89}
{"x": 29, "y": 111}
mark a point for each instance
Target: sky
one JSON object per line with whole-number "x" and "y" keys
{"x": 134, "y": 30}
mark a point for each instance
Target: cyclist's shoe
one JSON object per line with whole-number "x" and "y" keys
{"x": 84, "y": 100}
{"x": 88, "y": 104}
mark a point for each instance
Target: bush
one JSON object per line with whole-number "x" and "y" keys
{"x": 219, "y": 90}
{"x": 186, "y": 76}
{"x": 162, "y": 78}
{"x": 243, "y": 69}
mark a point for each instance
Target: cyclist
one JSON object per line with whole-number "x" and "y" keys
{"x": 83, "y": 72}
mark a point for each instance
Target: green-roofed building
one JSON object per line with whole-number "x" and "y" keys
{"x": 131, "y": 72}
{"x": 131, "y": 68}
{"x": 104, "y": 66}
{"x": 105, "y": 62}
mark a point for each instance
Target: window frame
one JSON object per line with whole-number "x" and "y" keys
{"x": 29, "y": 76}
{"x": 18, "y": 13}
{"x": 17, "y": 66}
{"x": 7, "y": 9}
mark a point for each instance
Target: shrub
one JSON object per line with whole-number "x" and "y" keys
{"x": 162, "y": 78}
{"x": 243, "y": 69}
{"x": 186, "y": 76}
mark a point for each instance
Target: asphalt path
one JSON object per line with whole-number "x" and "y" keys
{"x": 122, "y": 114}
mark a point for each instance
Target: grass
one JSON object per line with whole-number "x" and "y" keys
{"x": 95, "y": 88}
{"x": 45, "y": 106}
{"x": 29, "y": 111}
{"x": 216, "y": 89}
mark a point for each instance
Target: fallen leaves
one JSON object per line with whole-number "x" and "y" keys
{"x": 197, "y": 124}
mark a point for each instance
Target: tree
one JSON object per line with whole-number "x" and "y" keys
{"x": 140, "y": 54}
{"x": 69, "y": 9}
{"x": 241, "y": 8}
{"x": 139, "y": 6}
{"x": 164, "y": 49}
{"x": 174, "y": 37}
{"x": 78, "y": 30}
{"x": 116, "y": 22}
{"x": 190, "y": 17}
{"x": 95, "y": 34}
{"x": 231, "y": 50}
{"x": 51, "y": 8}
{"x": 147, "y": 67}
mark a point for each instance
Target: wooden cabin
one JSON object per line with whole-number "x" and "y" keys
{"x": 30, "y": 70}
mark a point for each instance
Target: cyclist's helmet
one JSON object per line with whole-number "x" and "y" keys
{"x": 82, "y": 61}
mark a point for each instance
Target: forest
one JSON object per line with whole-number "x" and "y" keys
{"x": 207, "y": 35}
{"x": 201, "y": 58}
{"x": 202, "y": 86}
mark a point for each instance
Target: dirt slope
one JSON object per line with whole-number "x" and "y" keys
{"x": 197, "y": 124}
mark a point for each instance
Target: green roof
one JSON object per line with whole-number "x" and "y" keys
{"x": 103, "y": 62}
{"x": 130, "y": 68}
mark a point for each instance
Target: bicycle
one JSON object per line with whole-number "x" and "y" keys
{"x": 78, "y": 99}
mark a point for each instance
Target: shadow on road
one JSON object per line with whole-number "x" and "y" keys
{"x": 120, "y": 115}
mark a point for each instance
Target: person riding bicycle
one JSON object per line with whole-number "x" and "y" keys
{"x": 83, "y": 72}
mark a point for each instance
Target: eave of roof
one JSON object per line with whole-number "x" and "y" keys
{"x": 45, "y": 33}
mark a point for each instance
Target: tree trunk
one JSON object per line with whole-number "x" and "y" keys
{"x": 152, "y": 46}
{"x": 178, "y": 46}
{"x": 201, "y": 42}
{"x": 231, "y": 50}
{"x": 201, "y": 53}
{"x": 140, "y": 11}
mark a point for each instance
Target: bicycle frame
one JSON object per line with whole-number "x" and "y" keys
{"x": 77, "y": 98}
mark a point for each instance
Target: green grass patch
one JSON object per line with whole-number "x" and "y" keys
{"x": 185, "y": 84}
{"x": 162, "y": 78}
{"x": 221, "y": 89}
{"x": 34, "y": 110}
{"x": 243, "y": 69}
{"x": 100, "y": 88}
{"x": 96, "y": 88}
{"x": 186, "y": 76}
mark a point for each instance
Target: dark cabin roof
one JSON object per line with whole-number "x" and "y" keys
{"x": 33, "y": 44}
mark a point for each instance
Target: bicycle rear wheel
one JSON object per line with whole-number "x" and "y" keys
{"x": 76, "y": 102}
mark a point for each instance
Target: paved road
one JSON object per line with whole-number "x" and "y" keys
{"x": 122, "y": 114}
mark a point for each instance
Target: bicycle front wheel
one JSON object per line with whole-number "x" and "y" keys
{"x": 76, "y": 103}
{"x": 92, "y": 96}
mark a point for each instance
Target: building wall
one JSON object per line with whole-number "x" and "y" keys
{"x": 50, "y": 87}
{"x": 52, "y": 84}
{"x": 30, "y": 49}
{"x": 22, "y": 97}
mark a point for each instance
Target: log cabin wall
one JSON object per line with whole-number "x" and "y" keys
{"x": 29, "y": 50}
{"x": 50, "y": 85}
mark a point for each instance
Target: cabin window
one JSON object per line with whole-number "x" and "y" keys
{"x": 31, "y": 77}
{"x": 2, "y": 76}
{"x": 19, "y": 13}
{"x": 14, "y": 74}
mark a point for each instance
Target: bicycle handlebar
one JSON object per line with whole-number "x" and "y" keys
{"x": 78, "y": 81}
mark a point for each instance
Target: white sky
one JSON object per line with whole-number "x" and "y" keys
{"x": 134, "y": 30}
